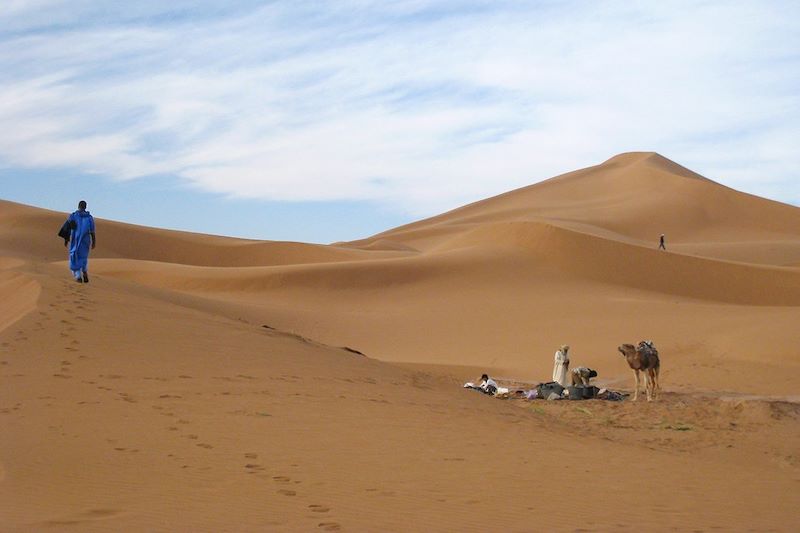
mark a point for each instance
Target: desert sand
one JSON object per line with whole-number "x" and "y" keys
{"x": 206, "y": 383}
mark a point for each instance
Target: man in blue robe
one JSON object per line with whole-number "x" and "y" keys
{"x": 82, "y": 237}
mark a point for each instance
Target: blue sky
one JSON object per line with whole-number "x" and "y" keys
{"x": 333, "y": 120}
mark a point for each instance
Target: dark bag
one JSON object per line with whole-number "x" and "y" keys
{"x": 576, "y": 392}
{"x": 66, "y": 229}
{"x": 581, "y": 392}
{"x": 546, "y": 389}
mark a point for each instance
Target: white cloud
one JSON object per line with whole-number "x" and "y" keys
{"x": 423, "y": 105}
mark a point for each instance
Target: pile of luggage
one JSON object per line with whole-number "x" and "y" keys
{"x": 553, "y": 390}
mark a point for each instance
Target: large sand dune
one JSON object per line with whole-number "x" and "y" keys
{"x": 634, "y": 196}
{"x": 155, "y": 399}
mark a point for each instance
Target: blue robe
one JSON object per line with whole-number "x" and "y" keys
{"x": 81, "y": 241}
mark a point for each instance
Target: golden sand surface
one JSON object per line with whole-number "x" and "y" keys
{"x": 201, "y": 383}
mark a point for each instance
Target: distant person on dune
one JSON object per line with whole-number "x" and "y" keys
{"x": 82, "y": 237}
{"x": 561, "y": 366}
{"x": 661, "y": 245}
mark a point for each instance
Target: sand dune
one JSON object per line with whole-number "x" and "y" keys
{"x": 636, "y": 195}
{"x": 200, "y": 382}
{"x": 126, "y": 411}
{"x": 31, "y": 232}
{"x": 19, "y": 294}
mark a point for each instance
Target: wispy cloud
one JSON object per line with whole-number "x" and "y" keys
{"x": 419, "y": 104}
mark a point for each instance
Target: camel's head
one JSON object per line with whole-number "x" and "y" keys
{"x": 627, "y": 349}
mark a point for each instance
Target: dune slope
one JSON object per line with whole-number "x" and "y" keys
{"x": 125, "y": 409}
{"x": 634, "y": 196}
{"x": 32, "y": 233}
{"x": 200, "y": 382}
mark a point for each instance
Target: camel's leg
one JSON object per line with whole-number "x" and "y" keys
{"x": 656, "y": 386}
{"x": 648, "y": 384}
{"x": 636, "y": 391}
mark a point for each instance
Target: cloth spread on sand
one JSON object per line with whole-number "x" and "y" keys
{"x": 81, "y": 240}
{"x": 561, "y": 366}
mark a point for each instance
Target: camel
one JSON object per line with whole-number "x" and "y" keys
{"x": 643, "y": 358}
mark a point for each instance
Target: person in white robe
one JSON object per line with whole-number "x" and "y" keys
{"x": 561, "y": 366}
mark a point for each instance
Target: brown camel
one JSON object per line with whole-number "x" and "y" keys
{"x": 643, "y": 358}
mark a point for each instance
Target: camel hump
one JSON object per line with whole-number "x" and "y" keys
{"x": 647, "y": 347}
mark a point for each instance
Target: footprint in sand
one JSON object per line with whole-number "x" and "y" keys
{"x": 253, "y": 468}
{"x": 251, "y": 456}
{"x": 329, "y": 526}
{"x": 206, "y": 446}
{"x": 281, "y": 479}
{"x": 287, "y": 492}
{"x": 316, "y": 508}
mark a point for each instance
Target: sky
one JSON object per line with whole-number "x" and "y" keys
{"x": 324, "y": 121}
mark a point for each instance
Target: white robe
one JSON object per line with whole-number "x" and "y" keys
{"x": 560, "y": 368}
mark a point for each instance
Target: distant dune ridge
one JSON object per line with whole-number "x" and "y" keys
{"x": 162, "y": 364}
{"x": 631, "y": 196}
